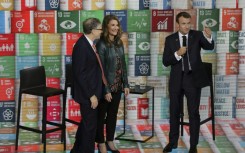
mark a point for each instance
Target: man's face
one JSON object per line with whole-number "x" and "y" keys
{"x": 98, "y": 31}
{"x": 184, "y": 25}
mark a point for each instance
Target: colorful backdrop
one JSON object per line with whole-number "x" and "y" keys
{"x": 43, "y": 32}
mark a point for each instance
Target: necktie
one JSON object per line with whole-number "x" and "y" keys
{"x": 186, "y": 62}
{"x": 102, "y": 70}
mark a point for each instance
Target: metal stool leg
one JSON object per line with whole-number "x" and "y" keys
{"x": 63, "y": 137}
{"x": 44, "y": 123}
{"x": 18, "y": 121}
{"x": 181, "y": 116}
{"x": 212, "y": 108}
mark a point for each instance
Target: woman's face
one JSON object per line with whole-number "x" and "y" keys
{"x": 113, "y": 28}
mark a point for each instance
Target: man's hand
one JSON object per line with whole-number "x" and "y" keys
{"x": 94, "y": 101}
{"x": 181, "y": 51}
{"x": 207, "y": 32}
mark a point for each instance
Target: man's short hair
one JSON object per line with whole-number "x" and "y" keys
{"x": 182, "y": 14}
{"x": 90, "y": 24}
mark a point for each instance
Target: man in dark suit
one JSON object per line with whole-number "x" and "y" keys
{"x": 87, "y": 85}
{"x": 187, "y": 76}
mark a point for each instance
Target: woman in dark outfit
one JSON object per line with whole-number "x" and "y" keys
{"x": 111, "y": 51}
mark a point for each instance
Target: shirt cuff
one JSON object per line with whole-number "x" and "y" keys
{"x": 208, "y": 39}
{"x": 177, "y": 56}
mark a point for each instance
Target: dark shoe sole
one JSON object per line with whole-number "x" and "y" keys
{"x": 168, "y": 148}
{"x": 109, "y": 149}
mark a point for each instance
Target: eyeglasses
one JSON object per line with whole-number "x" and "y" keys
{"x": 98, "y": 29}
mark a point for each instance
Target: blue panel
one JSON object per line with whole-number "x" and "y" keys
{"x": 142, "y": 65}
{"x": 144, "y": 4}
{"x": 122, "y": 16}
{"x": 23, "y": 62}
{"x": 52, "y": 5}
{"x": 7, "y": 110}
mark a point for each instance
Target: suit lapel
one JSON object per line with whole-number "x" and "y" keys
{"x": 176, "y": 41}
{"x": 89, "y": 47}
{"x": 190, "y": 39}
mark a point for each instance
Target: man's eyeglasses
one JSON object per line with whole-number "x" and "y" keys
{"x": 98, "y": 29}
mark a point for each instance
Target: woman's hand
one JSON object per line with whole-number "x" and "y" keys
{"x": 108, "y": 97}
{"x": 126, "y": 91}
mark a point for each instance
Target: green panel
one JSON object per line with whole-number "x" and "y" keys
{"x": 203, "y": 144}
{"x": 139, "y": 21}
{"x": 162, "y": 70}
{"x": 233, "y": 46}
{"x": 127, "y": 144}
{"x": 28, "y": 137}
{"x": 142, "y": 43}
{"x": 27, "y": 44}
{"x": 52, "y": 65}
{"x": 7, "y": 142}
{"x": 84, "y": 14}
{"x": 139, "y": 42}
{"x": 68, "y": 21}
{"x": 7, "y": 66}
{"x": 151, "y": 145}
{"x": 208, "y": 18}
{"x": 7, "y": 124}
{"x": 30, "y": 124}
{"x": 227, "y": 150}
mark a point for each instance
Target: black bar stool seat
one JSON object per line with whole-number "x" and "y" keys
{"x": 208, "y": 68}
{"x": 33, "y": 82}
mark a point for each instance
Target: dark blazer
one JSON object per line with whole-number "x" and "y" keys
{"x": 196, "y": 41}
{"x": 87, "y": 80}
{"x": 107, "y": 56}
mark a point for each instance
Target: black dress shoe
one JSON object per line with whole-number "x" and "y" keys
{"x": 169, "y": 147}
{"x": 193, "y": 150}
{"x": 109, "y": 149}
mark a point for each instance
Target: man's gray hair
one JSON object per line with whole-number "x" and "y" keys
{"x": 90, "y": 24}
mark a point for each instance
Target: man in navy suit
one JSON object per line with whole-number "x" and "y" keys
{"x": 87, "y": 85}
{"x": 187, "y": 76}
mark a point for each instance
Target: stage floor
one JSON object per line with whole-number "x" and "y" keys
{"x": 230, "y": 138}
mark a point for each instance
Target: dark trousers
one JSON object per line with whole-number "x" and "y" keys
{"x": 107, "y": 114}
{"x": 193, "y": 101}
{"x": 86, "y": 132}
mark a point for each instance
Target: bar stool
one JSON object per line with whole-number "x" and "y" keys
{"x": 208, "y": 68}
{"x": 33, "y": 82}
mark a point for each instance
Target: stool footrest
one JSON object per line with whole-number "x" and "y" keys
{"x": 53, "y": 123}
{"x": 71, "y": 121}
{"x": 54, "y": 129}
{"x": 30, "y": 129}
{"x": 184, "y": 123}
{"x": 206, "y": 120}
{"x": 40, "y": 131}
{"x": 202, "y": 122}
